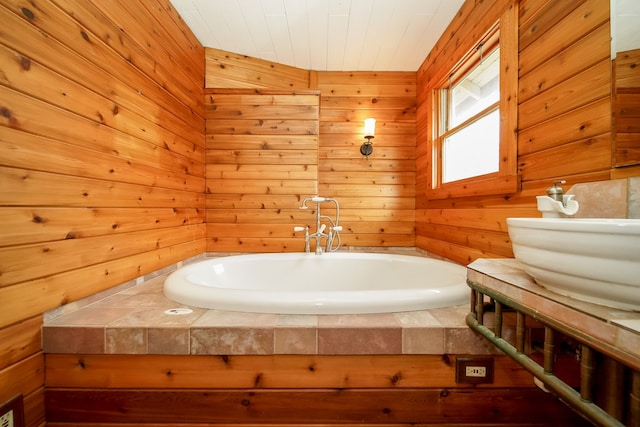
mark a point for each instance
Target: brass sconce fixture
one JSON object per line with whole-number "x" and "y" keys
{"x": 369, "y": 131}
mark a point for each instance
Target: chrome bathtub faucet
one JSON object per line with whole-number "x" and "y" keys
{"x": 332, "y": 236}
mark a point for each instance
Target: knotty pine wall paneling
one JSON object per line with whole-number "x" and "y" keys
{"x": 102, "y": 161}
{"x": 256, "y": 178}
{"x": 376, "y": 194}
{"x": 227, "y": 70}
{"x": 262, "y": 161}
{"x": 563, "y": 132}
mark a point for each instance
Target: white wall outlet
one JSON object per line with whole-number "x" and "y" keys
{"x": 12, "y": 412}
{"x": 6, "y": 419}
{"x": 476, "y": 371}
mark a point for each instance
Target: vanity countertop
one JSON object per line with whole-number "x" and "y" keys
{"x": 615, "y": 330}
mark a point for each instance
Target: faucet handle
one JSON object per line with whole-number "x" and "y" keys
{"x": 337, "y": 228}
{"x": 556, "y": 192}
{"x": 298, "y": 228}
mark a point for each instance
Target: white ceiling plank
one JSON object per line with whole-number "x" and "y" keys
{"x": 412, "y": 48}
{"x": 212, "y": 14}
{"x": 396, "y": 26}
{"x": 444, "y": 15}
{"x": 200, "y": 29}
{"x": 427, "y": 7}
{"x": 336, "y": 35}
{"x": 256, "y": 26}
{"x": 338, "y": 27}
{"x": 279, "y": 33}
{"x": 376, "y": 33}
{"x": 383, "y": 60}
{"x": 272, "y": 7}
{"x": 318, "y": 24}
{"x": 339, "y": 7}
{"x": 296, "y": 12}
{"x": 357, "y": 33}
{"x": 234, "y": 18}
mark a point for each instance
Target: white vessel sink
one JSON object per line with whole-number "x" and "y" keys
{"x": 591, "y": 259}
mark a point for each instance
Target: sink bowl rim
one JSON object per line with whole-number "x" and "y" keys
{"x": 589, "y": 225}
{"x": 582, "y": 257}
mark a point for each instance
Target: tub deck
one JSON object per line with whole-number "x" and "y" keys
{"x": 133, "y": 321}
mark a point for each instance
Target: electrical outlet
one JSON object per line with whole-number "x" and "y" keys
{"x": 6, "y": 419}
{"x": 12, "y": 413}
{"x": 474, "y": 370}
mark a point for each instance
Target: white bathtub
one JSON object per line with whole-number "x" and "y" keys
{"x": 332, "y": 283}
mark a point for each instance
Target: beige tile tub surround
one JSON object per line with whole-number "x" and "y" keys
{"x": 133, "y": 321}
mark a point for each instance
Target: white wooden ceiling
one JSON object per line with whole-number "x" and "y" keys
{"x": 323, "y": 35}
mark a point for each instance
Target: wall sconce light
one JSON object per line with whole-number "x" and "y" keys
{"x": 369, "y": 131}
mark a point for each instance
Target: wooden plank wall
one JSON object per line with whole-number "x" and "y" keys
{"x": 563, "y": 120}
{"x": 102, "y": 161}
{"x": 626, "y": 108}
{"x": 376, "y": 194}
{"x": 262, "y": 160}
{"x": 254, "y": 182}
{"x": 296, "y": 390}
{"x": 227, "y": 70}
{"x": 103, "y": 157}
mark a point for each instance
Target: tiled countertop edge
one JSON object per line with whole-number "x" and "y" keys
{"x": 618, "y": 328}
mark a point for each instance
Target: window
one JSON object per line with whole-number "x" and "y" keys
{"x": 474, "y": 110}
{"x": 471, "y": 135}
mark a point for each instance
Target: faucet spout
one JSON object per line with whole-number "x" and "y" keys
{"x": 556, "y": 204}
{"x": 551, "y": 208}
{"x": 318, "y": 235}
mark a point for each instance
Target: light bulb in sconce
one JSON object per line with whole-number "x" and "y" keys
{"x": 369, "y": 133}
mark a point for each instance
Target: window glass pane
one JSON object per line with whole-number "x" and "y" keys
{"x": 476, "y": 91}
{"x": 473, "y": 150}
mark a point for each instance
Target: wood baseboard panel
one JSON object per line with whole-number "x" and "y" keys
{"x": 310, "y": 406}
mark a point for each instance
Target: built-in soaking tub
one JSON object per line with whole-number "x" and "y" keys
{"x": 331, "y": 283}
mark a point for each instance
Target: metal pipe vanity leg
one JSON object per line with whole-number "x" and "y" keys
{"x": 472, "y": 302}
{"x": 613, "y": 387}
{"x": 587, "y": 373}
{"x": 498, "y": 319}
{"x": 480, "y": 307}
{"x": 634, "y": 400}
{"x": 520, "y": 331}
{"x": 549, "y": 350}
